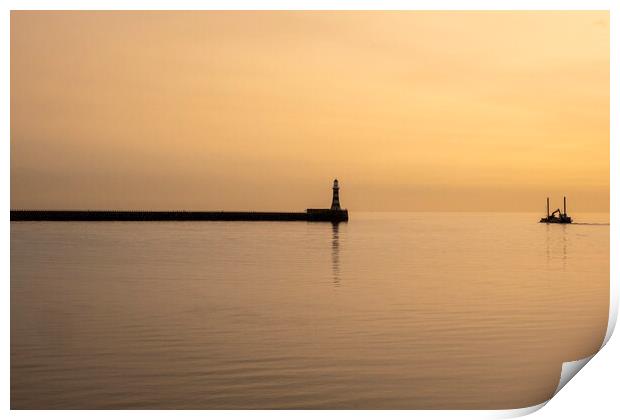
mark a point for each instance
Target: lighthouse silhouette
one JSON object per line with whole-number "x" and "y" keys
{"x": 334, "y": 214}
{"x": 335, "y": 196}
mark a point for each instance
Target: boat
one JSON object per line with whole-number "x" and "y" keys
{"x": 557, "y": 216}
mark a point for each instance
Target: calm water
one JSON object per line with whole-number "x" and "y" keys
{"x": 407, "y": 310}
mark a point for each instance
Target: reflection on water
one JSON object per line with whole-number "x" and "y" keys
{"x": 564, "y": 245}
{"x": 336, "y": 254}
{"x": 430, "y": 311}
{"x": 556, "y": 241}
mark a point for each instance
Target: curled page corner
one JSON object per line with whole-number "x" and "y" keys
{"x": 519, "y": 412}
{"x": 570, "y": 369}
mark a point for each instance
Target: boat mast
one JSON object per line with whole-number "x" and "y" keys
{"x": 564, "y": 206}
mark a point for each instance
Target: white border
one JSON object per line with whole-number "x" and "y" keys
{"x": 602, "y": 382}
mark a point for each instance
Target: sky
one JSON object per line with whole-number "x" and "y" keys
{"x": 411, "y": 111}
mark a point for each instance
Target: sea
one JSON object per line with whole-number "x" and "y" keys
{"x": 386, "y": 311}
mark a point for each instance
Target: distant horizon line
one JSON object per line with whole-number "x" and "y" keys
{"x": 283, "y": 211}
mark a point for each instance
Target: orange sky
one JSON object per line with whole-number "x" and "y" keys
{"x": 261, "y": 110}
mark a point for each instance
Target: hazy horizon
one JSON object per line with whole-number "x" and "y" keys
{"x": 411, "y": 111}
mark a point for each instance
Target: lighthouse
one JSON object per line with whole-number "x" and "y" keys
{"x": 335, "y": 196}
{"x": 334, "y": 214}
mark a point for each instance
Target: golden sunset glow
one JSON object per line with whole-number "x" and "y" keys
{"x": 261, "y": 110}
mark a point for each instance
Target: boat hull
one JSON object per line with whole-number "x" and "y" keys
{"x": 560, "y": 220}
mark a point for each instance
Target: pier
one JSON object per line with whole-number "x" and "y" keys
{"x": 310, "y": 215}
{"x": 334, "y": 214}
